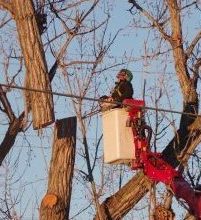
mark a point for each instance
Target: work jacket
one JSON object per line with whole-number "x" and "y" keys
{"x": 122, "y": 90}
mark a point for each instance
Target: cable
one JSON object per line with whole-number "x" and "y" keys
{"x": 94, "y": 99}
{"x": 54, "y": 93}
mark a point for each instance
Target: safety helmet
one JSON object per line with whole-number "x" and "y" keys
{"x": 129, "y": 75}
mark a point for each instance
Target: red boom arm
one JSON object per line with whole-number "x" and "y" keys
{"x": 152, "y": 164}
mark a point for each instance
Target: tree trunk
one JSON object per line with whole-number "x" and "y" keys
{"x": 119, "y": 204}
{"x": 188, "y": 88}
{"x": 41, "y": 104}
{"x": 56, "y": 203}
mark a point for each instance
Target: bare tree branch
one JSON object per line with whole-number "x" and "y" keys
{"x": 14, "y": 128}
{"x": 90, "y": 10}
{"x": 152, "y": 19}
{"x": 6, "y": 104}
{"x": 189, "y": 50}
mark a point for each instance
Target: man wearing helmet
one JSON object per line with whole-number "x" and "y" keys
{"x": 122, "y": 90}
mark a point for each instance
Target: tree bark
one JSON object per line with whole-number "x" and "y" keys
{"x": 188, "y": 91}
{"x": 56, "y": 203}
{"x": 41, "y": 104}
{"x": 119, "y": 204}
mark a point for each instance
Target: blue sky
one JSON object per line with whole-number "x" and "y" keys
{"x": 34, "y": 150}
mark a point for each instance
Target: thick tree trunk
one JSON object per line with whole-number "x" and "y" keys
{"x": 180, "y": 58}
{"x": 56, "y": 203}
{"x": 188, "y": 88}
{"x": 119, "y": 204}
{"x": 41, "y": 104}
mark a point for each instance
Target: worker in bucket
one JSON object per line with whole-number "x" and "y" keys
{"x": 123, "y": 90}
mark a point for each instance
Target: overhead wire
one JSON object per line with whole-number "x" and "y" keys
{"x": 94, "y": 99}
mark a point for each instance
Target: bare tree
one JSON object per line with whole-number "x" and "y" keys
{"x": 47, "y": 32}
